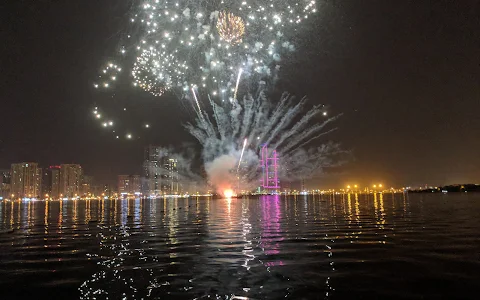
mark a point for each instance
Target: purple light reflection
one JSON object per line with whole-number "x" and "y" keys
{"x": 271, "y": 235}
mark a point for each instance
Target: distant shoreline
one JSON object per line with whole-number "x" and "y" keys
{"x": 456, "y": 188}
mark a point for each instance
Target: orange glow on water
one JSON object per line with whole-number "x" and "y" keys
{"x": 228, "y": 193}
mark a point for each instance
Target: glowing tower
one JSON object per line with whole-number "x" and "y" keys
{"x": 269, "y": 166}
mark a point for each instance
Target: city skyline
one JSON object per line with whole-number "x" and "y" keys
{"x": 161, "y": 178}
{"x": 73, "y": 182}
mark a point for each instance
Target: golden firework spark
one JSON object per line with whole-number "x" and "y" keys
{"x": 231, "y": 28}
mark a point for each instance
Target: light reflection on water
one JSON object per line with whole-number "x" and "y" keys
{"x": 271, "y": 247}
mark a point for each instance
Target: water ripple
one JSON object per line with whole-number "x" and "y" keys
{"x": 383, "y": 246}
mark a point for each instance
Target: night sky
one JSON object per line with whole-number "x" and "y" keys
{"x": 406, "y": 75}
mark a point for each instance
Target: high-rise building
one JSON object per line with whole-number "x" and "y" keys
{"x": 46, "y": 183}
{"x": 26, "y": 180}
{"x": 136, "y": 184}
{"x": 170, "y": 182}
{"x": 151, "y": 168}
{"x": 161, "y": 172}
{"x": 96, "y": 190}
{"x": 5, "y": 176}
{"x": 129, "y": 184}
{"x": 123, "y": 184}
{"x": 87, "y": 185}
{"x": 55, "y": 177}
{"x": 50, "y": 182}
{"x": 106, "y": 190}
{"x": 5, "y": 179}
{"x": 70, "y": 180}
{"x": 269, "y": 168}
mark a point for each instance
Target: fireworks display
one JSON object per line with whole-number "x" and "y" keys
{"x": 210, "y": 49}
{"x": 194, "y": 48}
{"x": 177, "y": 45}
{"x": 225, "y": 133}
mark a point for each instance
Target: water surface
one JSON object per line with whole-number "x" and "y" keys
{"x": 320, "y": 247}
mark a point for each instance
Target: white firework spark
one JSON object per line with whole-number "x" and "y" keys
{"x": 241, "y": 155}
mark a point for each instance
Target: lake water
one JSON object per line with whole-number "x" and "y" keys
{"x": 316, "y": 247}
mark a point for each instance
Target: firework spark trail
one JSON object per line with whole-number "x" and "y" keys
{"x": 301, "y": 137}
{"x": 196, "y": 101}
{"x": 236, "y": 86}
{"x": 221, "y": 129}
{"x": 260, "y": 114}
{"x": 204, "y": 119}
{"x": 241, "y": 155}
{"x": 299, "y": 126}
{"x": 209, "y": 126}
{"x": 318, "y": 135}
{"x": 247, "y": 115}
{"x": 326, "y": 156}
{"x": 221, "y": 119}
{"x": 273, "y": 116}
{"x": 286, "y": 121}
{"x": 235, "y": 117}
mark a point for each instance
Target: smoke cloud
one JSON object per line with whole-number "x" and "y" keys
{"x": 281, "y": 126}
{"x": 219, "y": 172}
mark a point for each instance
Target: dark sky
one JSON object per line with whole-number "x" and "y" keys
{"x": 406, "y": 75}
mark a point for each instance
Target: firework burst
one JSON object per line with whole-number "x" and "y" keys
{"x": 157, "y": 71}
{"x": 230, "y": 27}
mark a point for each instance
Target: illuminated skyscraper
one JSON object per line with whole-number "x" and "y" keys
{"x": 269, "y": 168}
{"x": 170, "y": 184}
{"x": 26, "y": 180}
{"x": 128, "y": 184}
{"x": 152, "y": 168}
{"x": 87, "y": 185}
{"x": 5, "y": 180}
{"x": 161, "y": 172}
{"x": 70, "y": 180}
{"x": 123, "y": 184}
{"x": 50, "y": 182}
{"x": 5, "y": 176}
{"x": 136, "y": 184}
{"x": 46, "y": 183}
{"x": 55, "y": 177}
